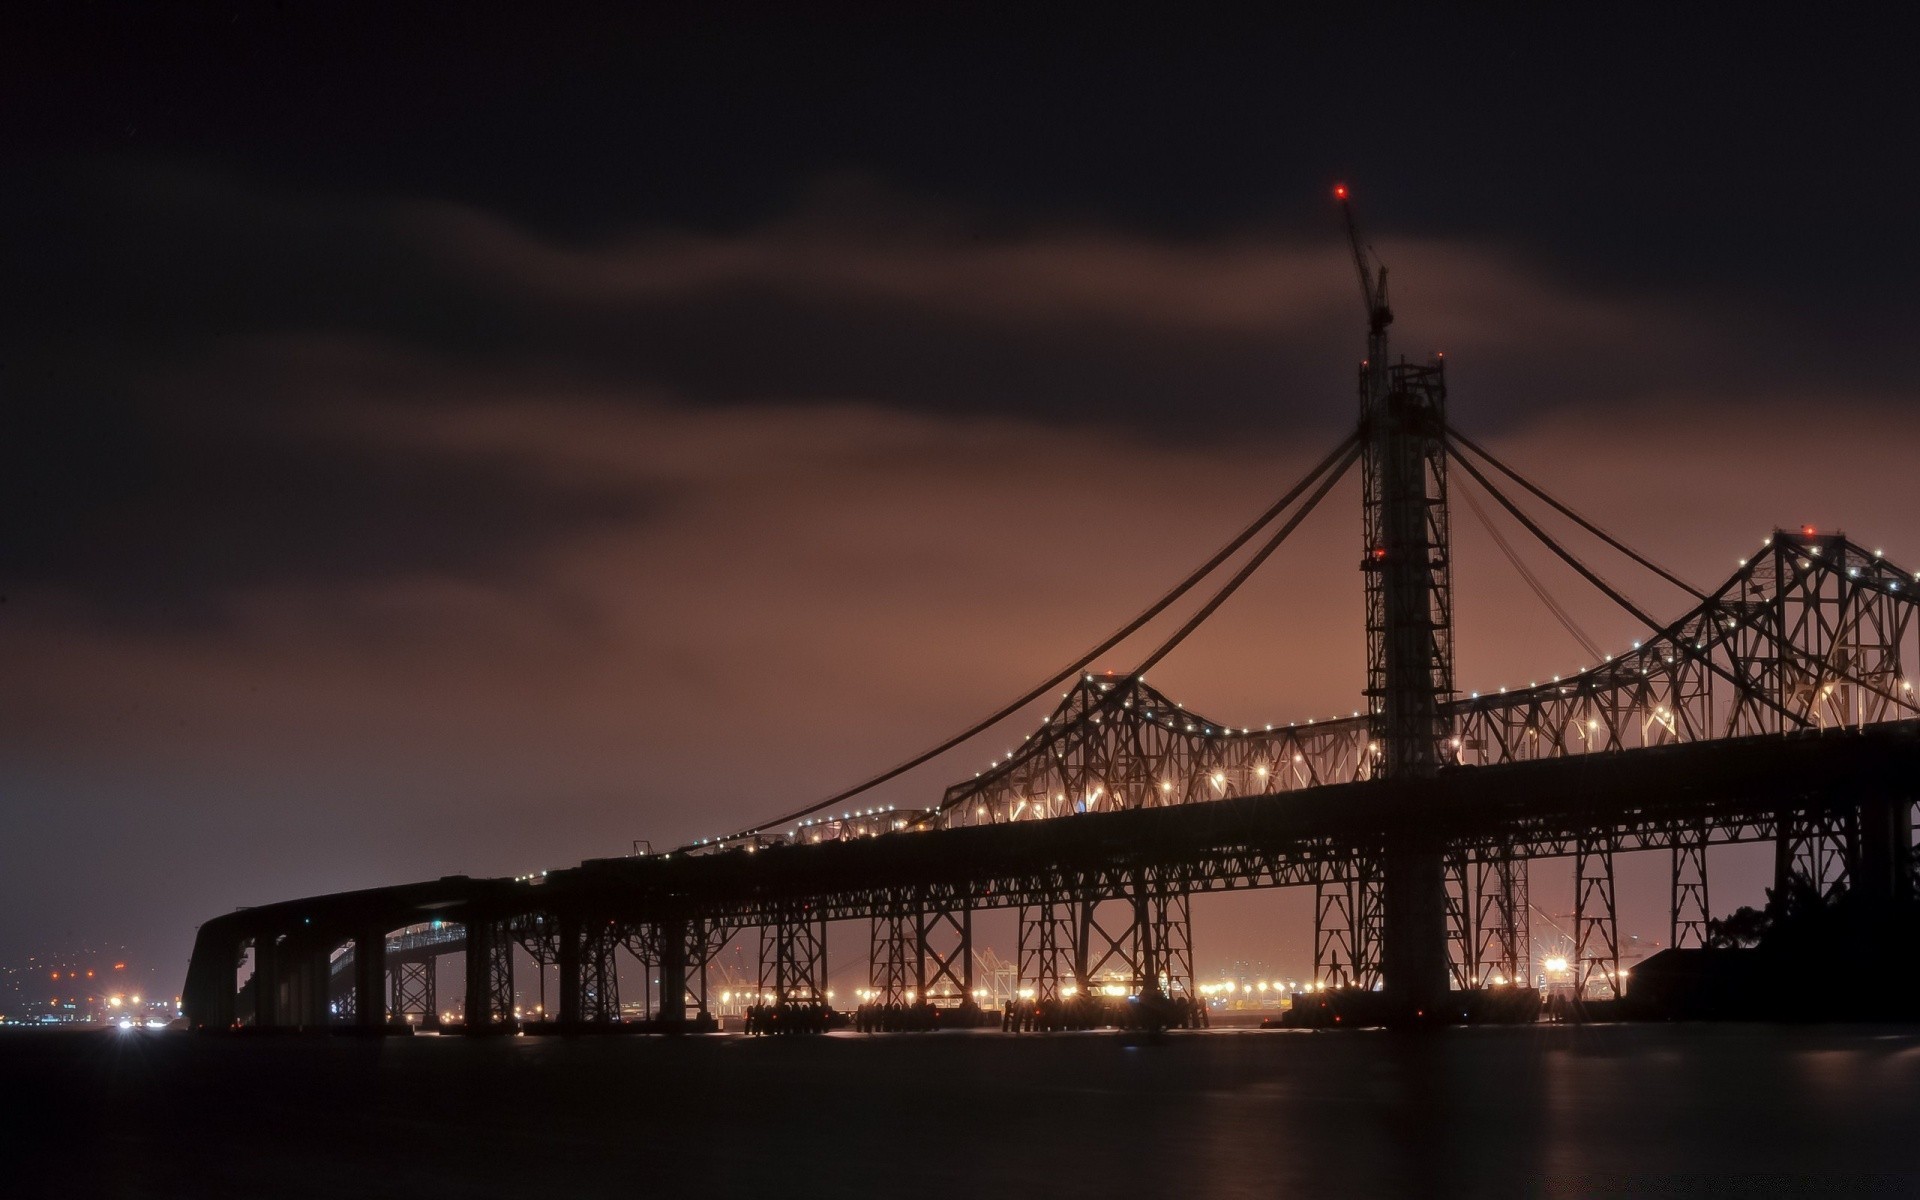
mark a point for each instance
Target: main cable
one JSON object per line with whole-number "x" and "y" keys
{"x": 1053, "y": 733}
{"x": 1252, "y": 565}
{"x": 1680, "y": 643}
{"x": 1348, "y": 446}
{"x": 1454, "y": 435}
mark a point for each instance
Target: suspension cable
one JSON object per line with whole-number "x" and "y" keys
{"x": 1456, "y": 436}
{"x": 1348, "y": 447}
{"x": 1252, "y": 565}
{"x": 1053, "y": 733}
{"x": 1682, "y": 644}
{"x": 1553, "y": 605}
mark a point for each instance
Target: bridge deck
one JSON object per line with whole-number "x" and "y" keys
{"x": 1636, "y": 799}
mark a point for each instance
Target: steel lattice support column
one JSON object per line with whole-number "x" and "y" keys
{"x": 1169, "y": 967}
{"x": 890, "y": 945}
{"x": 1347, "y": 912}
{"x": 1333, "y": 931}
{"x": 1690, "y": 910}
{"x": 646, "y": 942}
{"x": 1818, "y": 849}
{"x": 1501, "y": 955}
{"x": 943, "y": 951}
{"x": 1460, "y": 940}
{"x": 1107, "y": 942}
{"x": 599, "y": 973}
{"x": 793, "y": 958}
{"x": 1047, "y": 949}
{"x": 416, "y": 991}
{"x": 1369, "y": 925}
{"x": 1596, "y": 920}
{"x": 539, "y": 935}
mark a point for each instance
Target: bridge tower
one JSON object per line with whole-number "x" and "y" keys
{"x": 1409, "y": 606}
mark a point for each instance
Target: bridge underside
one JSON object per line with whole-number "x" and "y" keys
{"x": 1838, "y": 805}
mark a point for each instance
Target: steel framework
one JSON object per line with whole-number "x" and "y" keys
{"x": 793, "y": 957}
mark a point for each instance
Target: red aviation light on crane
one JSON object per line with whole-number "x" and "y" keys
{"x": 1807, "y": 531}
{"x": 1339, "y": 191}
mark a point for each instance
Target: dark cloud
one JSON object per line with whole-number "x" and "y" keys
{"x": 190, "y": 332}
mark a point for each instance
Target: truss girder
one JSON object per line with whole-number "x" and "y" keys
{"x": 1815, "y": 632}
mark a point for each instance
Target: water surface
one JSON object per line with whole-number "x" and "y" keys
{"x": 1544, "y": 1111}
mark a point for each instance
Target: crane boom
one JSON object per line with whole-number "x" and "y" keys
{"x": 1372, "y": 292}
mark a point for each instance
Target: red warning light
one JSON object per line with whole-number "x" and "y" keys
{"x": 1379, "y": 551}
{"x": 1806, "y": 530}
{"x": 1339, "y": 191}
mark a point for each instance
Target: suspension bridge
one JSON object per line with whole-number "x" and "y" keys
{"x": 1777, "y": 708}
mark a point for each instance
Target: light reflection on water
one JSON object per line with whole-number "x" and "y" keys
{"x": 1548, "y": 1111}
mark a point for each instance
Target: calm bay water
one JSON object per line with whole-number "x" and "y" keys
{"x": 1547, "y": 1111}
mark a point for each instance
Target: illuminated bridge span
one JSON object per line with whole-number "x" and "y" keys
{"x": 1778, "y": 708}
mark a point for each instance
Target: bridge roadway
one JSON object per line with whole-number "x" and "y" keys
{"x": 1745, "y": 789}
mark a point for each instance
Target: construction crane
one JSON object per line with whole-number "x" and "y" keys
{"x": 1373, "y": 292}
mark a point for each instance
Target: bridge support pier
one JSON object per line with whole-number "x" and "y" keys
{"x": 210, "y": 999}
{"x": 1886, "y": 848}
{"x": 266, "y": 982}
{"x": 489, "y": 978}
{"x": 672, "y": 1013}
{"x": 1414, "y": 939}
{"x": 1596, "y": 921}
{"x": 290, "y": 984}
{"x": 370, "y": 979}
{"x": 567, "y": 959}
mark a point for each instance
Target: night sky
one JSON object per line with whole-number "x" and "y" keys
{"x": 468, "y": 442}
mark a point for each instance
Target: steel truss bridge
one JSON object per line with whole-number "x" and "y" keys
{"x": 1778, "y": 708}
